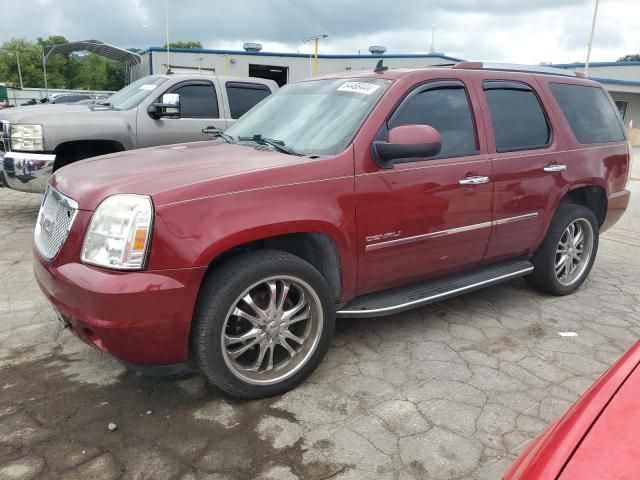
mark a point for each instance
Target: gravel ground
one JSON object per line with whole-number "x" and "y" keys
{"x": 450, "y": 391}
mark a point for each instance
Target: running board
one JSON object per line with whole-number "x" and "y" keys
{"x": 416, "y": 295}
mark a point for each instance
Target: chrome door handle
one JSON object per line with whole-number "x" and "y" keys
{"x": 211, "y": 130}
{"x": 476, "y": 180}
{"x": 556, "y": 167}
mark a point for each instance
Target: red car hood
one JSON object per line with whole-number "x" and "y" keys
{"x": 174, "y": 173}
{"x": 611, "y": 449}
{"x": 596, "y": 438}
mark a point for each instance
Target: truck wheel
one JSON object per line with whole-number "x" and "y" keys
{"x": 567, "y": 253}
{"x": 263, "y": 323}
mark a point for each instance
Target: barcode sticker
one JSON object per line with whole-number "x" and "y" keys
{"x": 359, "y": 87}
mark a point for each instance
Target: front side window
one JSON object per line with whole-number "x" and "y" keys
{"x": 198, "y": 100}
{"x": 519, "y": 123}
{"x": 316, "y": 117}
{"x": 447, "y": 110}
{"x": 244, "y": 96}
{"x": 589, "y": 112}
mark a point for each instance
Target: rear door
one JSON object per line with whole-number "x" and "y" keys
{"x": 528, "y": 162}
{"x": 426, "y": 218}
{"x": 200, "y": 107}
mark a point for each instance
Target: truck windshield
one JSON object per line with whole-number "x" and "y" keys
{"x": 131, "y": 95}
{"x": 318, "y": 117}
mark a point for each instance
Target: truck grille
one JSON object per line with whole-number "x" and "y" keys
{"x": 5, "y": 133}
{"x": 56, "y": 217}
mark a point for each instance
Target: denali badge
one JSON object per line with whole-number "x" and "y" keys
{"x": 383, "y": 236}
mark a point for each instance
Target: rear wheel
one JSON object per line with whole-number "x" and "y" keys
{"x": 564, "y": 260}
{"x": 263, "y": 323}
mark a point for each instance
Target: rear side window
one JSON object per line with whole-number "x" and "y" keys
{"x": 198, "y": 101}
{"x": 244, "y": 96}
{"x": 519, "y": 123}
{"x": 445, "y": 109}
{"x": 589, "y": 112}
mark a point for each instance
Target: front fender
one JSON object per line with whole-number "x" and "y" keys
{"x": 194, "y": 233}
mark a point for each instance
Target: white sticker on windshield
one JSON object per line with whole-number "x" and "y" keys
{"x": 359, "y": 87}
{"x": 148, "y": 87}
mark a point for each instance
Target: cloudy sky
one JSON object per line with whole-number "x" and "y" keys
{"x": 523, "y": 31}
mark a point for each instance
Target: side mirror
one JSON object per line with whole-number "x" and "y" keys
{"x": 168, "y": 107}
{"x": 405, "y": 144}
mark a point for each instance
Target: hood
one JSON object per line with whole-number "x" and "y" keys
{"x": 174, "y": 173}
{"x": 33, "y": 113}
{"x": 610, "y": 449}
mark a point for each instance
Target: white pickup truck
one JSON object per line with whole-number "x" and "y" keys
{"x": 155, "y": 110}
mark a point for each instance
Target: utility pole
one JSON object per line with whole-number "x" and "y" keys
{"x": 166, "y": 12}
{"x": 593, "y": 27}
{"x": 315, "y": 39}
{"x": 44, "y": 70}
{"x": 19, "y": 71}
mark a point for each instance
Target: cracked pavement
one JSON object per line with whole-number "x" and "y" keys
{"x": 451, "y": 391}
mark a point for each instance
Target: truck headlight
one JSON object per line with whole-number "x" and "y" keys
{"x": 27, "y": 138}
{"x": 119, "y": 233}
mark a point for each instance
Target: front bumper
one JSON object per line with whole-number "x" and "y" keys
{"x": 27, "y": 172}
{"x": 141, "y": 318}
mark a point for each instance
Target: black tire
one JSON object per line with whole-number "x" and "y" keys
{"x": 219, "y": 294}
{"x": 544, "y": 276}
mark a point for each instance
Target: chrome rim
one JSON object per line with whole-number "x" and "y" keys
{"x": 574, "y": 251}
{"x": 271, "y": 330}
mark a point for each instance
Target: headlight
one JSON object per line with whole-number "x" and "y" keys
{"x": 27, "y": 138}
{"x": 119, "y": 233}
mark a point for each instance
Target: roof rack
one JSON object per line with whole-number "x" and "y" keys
{"x": 516, "y": 67}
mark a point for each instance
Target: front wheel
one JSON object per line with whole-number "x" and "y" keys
{"x": 263, "y": 323}
{"x": 564, "y": 260}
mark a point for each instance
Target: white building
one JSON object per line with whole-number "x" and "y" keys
{"x": 281, "y": 67}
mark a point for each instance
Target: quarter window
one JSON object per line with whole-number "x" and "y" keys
{"x": 590, "y": 114}
{"x": 244, "y": 96}
{"x": 519, "y": 123}
{"x": 447, "y": 110}
{"x": 198, "y": 101}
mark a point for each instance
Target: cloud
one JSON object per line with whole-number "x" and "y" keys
{"x": 499, "y": 30}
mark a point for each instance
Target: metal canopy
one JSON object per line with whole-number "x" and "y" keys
{"x": 99, "y": 48}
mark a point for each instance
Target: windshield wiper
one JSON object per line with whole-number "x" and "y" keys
{"x": 272, "y": 142}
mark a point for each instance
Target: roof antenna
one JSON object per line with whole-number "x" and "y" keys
{"x": 380, "y": 68}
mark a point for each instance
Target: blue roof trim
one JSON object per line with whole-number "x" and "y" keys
{"x": 298, "y": 55}
{"x": 617, "y": 82}
{"x": 596, "y": 64}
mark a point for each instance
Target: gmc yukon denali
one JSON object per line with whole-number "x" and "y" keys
{"x": 155, "y": 110}
{"x": 353, "y": 195}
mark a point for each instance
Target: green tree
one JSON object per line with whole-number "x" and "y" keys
{"x": 189, "y": 44}
{"x": 630, "y": 58}
{"x": 75, "y": 71}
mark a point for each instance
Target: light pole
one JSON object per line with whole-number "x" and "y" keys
{"x": 593, "y": 27}
{"x": 315, "y": 39}
{"x": 433, "y": 34}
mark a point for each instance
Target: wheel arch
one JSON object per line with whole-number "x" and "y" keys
{"x": 323, "y": 249}
{"x": 593, "y": 197}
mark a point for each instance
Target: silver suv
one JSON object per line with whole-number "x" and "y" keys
{"x": 155, "y": 110}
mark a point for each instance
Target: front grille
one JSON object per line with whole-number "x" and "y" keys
{"x": 56, "y": 217}
{"x": 5, "y": 134}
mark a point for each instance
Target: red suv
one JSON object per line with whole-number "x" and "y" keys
{"x": 353, "y": 195}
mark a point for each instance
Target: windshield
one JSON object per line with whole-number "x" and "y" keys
{"x": 131, "y": 95}
{"x": 318, "y": 117}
